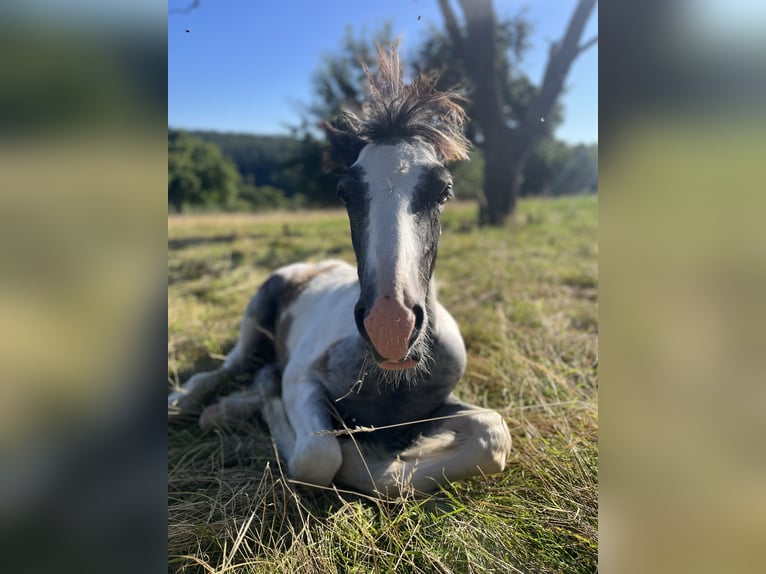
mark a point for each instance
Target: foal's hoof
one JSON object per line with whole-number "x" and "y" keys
{"x": 200, "y": 390}
{"x": 181, "y": 404}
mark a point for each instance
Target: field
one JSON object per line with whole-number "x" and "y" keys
{"x": 525, "y": 298}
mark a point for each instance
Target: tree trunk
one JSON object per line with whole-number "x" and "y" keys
{"x": 505, "y": 158}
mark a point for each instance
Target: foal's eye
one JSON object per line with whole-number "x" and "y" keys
{"x": 446, "y": 194}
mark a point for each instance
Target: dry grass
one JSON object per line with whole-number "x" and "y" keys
{"x": 526, "y": 300}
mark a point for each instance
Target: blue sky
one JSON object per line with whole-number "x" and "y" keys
{"x": 246, "y": 65}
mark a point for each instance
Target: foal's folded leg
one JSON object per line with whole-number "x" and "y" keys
{"x": 460, "y": 441}
{"x": 244, "y": 405}
{"x": 199, "y": 391}
{"x": 231, "y": 410}
{"x": 254, "y": 339}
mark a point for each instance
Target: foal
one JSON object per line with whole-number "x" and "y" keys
{"x": 366, "y": 359}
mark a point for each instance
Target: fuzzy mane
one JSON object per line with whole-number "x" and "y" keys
{"x": 394, "y": 109}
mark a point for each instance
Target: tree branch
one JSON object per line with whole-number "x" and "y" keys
{"x": 587, "y": 44}
{"x": 193, "y": 6}
{"x": 450, "y": 22}
{"x": 559, "y": 63}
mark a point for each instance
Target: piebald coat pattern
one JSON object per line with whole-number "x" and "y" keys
{"x": 366, "y": 358}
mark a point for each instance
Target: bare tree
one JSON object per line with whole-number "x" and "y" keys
{"x": 507, "y": 147}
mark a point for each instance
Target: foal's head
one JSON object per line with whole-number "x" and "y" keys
{"x": 395, "y": 183}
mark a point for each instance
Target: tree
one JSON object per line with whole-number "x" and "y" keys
{"x": 198, "y": 174}
{"x": 508, "y": 135}
{"x": 303, "y": 176}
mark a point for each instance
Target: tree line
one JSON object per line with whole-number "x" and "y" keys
{"x": 242, "y": 172}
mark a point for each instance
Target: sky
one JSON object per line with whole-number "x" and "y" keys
{"x": 246, "y": 66}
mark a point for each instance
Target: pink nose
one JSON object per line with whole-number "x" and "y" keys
{"x": 389, "y": 326}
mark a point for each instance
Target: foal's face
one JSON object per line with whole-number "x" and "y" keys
{"x": 394, "y": 194}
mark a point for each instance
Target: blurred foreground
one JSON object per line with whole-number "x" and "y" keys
{"x": 683, "y": 273}
{"x": 82, "y": 219}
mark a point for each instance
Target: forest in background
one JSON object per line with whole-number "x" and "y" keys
{"x": 218, "y": 171}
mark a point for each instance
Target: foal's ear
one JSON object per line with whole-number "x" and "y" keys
{"x": 343, "y": 149}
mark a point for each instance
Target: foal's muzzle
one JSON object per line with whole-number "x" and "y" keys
{"x": 391, "y": 330}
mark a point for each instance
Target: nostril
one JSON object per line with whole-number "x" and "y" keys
{"x": 419, "y": 315}
{"x": 359, "y": 313}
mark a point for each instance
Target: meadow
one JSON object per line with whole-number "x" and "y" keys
{"x": 525, "y": 297}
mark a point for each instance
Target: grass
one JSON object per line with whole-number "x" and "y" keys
{"x": 525, "y": 298}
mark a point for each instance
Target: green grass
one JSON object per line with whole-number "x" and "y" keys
{"x": 525, "y": 298}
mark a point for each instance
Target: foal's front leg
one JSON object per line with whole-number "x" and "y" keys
{"x": 299, "y": 421}
{"x": 243, "y": 406}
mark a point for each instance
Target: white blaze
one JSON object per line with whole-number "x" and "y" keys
{"x": 392, "y": 172}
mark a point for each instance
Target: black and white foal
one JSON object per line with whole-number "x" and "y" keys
{"x": 366, "y": 359}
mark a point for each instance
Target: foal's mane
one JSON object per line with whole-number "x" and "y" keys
{"x": 394, "y": 110}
